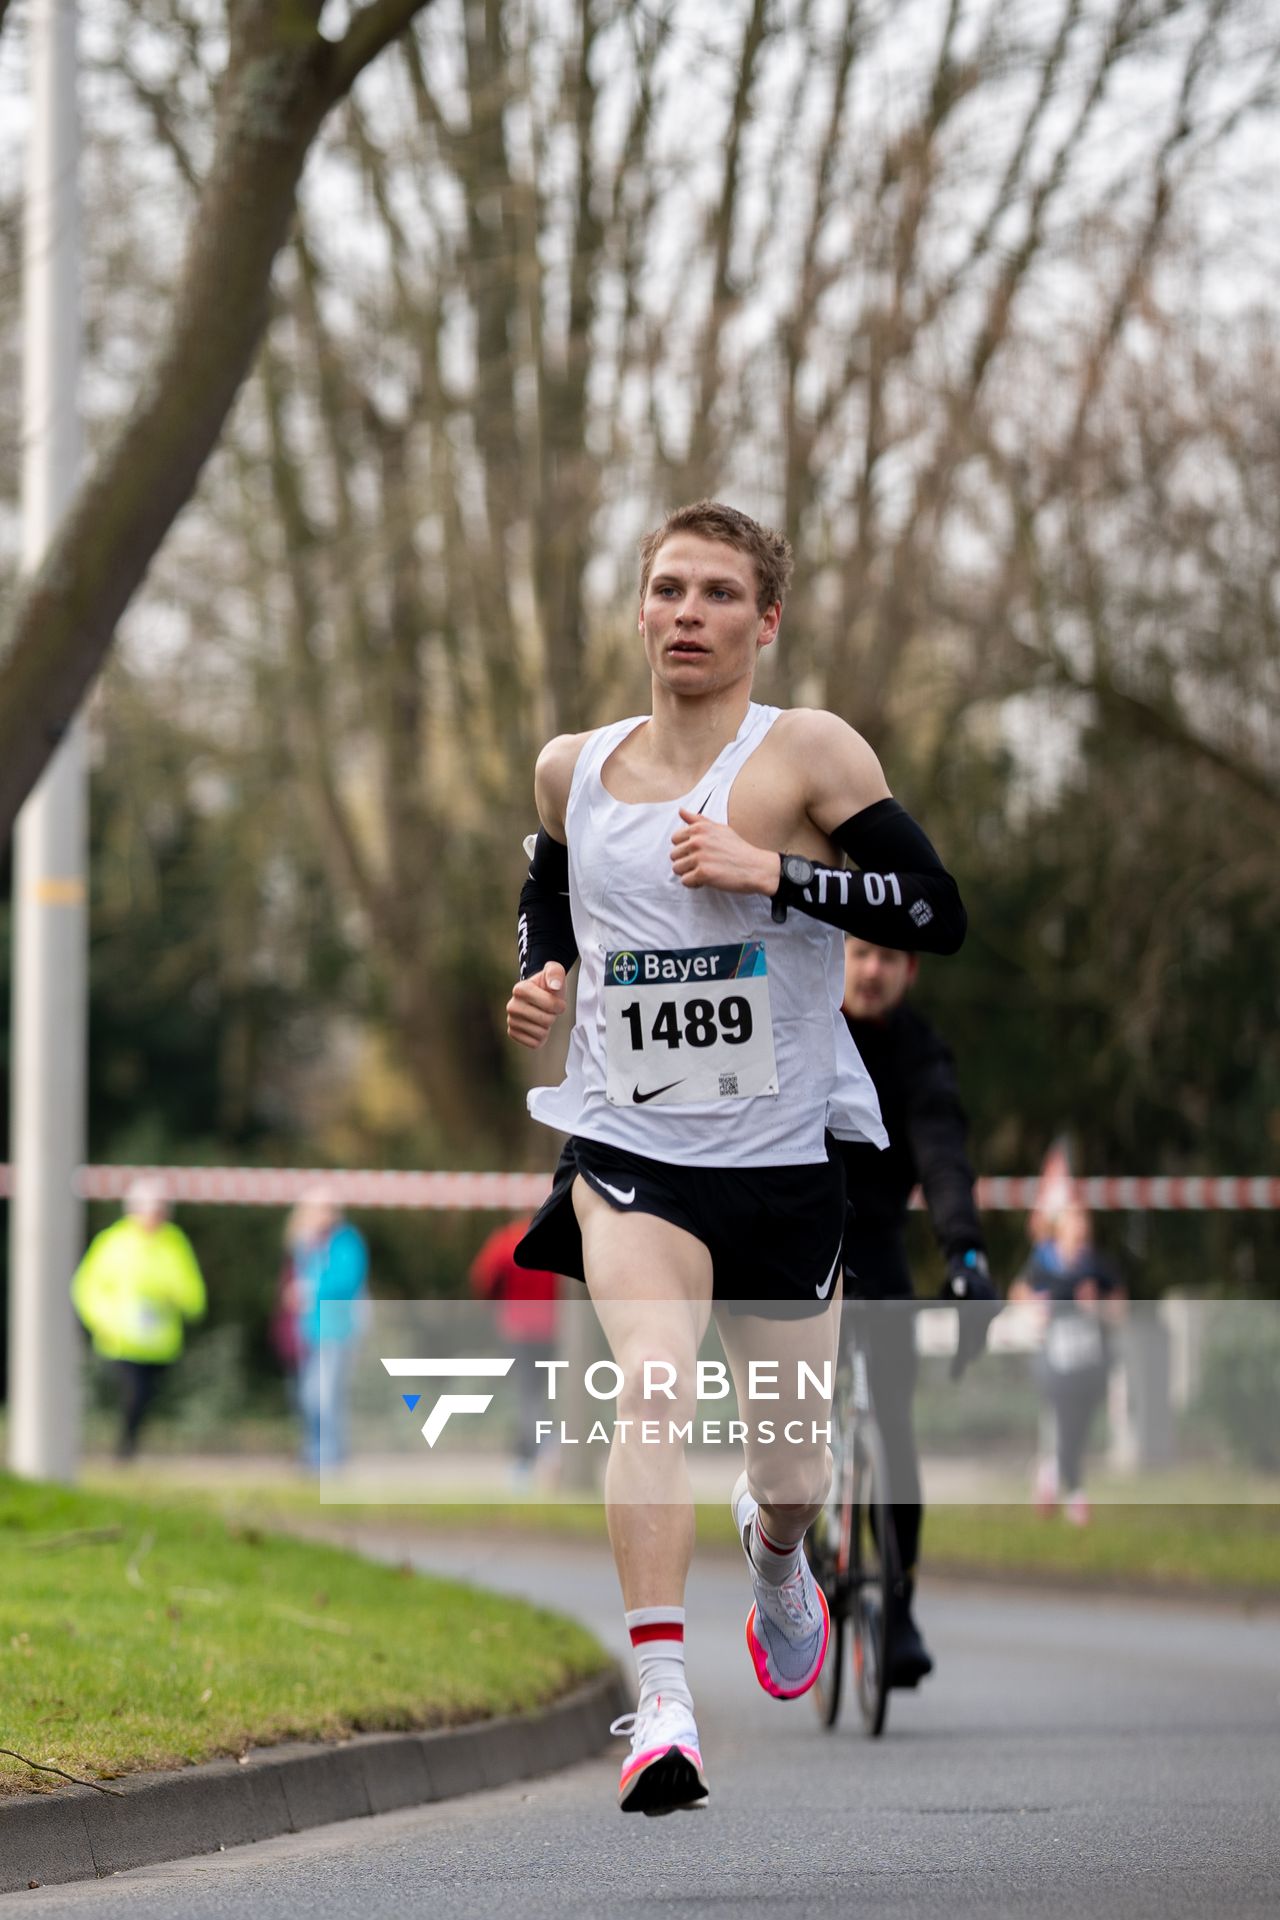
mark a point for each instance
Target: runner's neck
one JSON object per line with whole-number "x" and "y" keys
{"x": 687, "y": 735}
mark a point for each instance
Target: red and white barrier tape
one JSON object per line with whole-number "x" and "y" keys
{"x": 1143, "y": 1193}
{"x": 518, "y": 1192}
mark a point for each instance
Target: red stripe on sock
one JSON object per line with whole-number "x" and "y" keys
{"x": 773, "y": 1545}
{"x": 657, "y": 1630}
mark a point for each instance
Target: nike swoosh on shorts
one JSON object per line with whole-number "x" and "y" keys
{"x": 623, "y": 1199}
{"x": 825, "y": 1288}
{"x": 639, "y": 1098}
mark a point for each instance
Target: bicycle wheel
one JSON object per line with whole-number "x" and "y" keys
{"x": 825, "y": 1691}
{"x": 827, "y": 1544}
{"x": 872, "y": 1574}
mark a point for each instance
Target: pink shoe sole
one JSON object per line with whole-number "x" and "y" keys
{"x": 662, "y": 1780}
{"x": 760, "y": 1659}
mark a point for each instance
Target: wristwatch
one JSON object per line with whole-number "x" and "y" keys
{"x": 797, "y": 873}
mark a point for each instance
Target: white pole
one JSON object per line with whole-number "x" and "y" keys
{"x": 50, "y": 919}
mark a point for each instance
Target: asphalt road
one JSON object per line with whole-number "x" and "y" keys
{"x": 1101, "y": 1758}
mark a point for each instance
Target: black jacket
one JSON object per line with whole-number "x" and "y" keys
{"x": 915, "y": 1077}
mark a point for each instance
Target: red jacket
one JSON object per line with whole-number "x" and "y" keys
{"x": 526, "y": 1299}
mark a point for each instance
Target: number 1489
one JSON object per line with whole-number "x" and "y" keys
{"x": 699, "y": 1023}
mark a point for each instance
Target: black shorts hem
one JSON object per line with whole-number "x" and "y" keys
{"x": 774, "y": 1233}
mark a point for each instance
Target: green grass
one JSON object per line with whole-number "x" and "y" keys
{"x": 1185, "y": 1549}
{"x": 154, "y": 1634}
{"x": 1203, "y": 1549}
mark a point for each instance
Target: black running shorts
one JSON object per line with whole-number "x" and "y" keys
{"x": 773, "y": 1233}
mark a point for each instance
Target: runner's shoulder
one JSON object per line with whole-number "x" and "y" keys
{"x": 802, "y": 729}
{"x": 831, "y": 755}
{"x": 553, "y": 777}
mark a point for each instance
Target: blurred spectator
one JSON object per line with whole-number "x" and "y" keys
{"x": 324, "y": 1304}
{"x": 526, "y": 1317}
{"x": 136, "y": 1286}
{"x": 282, "y": 1332}
{"x": 1082, "y": 1296}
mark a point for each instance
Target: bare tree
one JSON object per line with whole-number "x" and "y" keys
{"x": 1155, "y": 598}
{"x": 610, "y": 256}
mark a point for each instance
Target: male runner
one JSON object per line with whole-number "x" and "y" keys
{"x": 915, "y": 1078}
{"x": 693, "y": 859}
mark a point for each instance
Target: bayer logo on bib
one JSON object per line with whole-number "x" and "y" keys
{"x": 688, "y": 1024}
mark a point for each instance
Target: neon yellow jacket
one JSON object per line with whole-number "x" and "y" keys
{"x": 135, "y": 1287}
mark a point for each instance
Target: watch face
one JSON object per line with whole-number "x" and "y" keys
{"x": 798, "y": 870}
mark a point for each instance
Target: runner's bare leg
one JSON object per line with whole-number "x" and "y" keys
{"x": 650, "y": 1283}
{"x": 789, "y": 1479}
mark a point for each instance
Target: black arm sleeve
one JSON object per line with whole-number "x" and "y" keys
{"x": 544, "y": 930}
{"x": 938, "y": 1132}
{"x": 903, "y": 897}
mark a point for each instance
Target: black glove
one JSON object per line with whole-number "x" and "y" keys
{"x": 969, "y": 1283}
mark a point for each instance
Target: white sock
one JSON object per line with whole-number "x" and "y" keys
{"x": 771, "y": 1560}
{"x": 657, "y": 1639}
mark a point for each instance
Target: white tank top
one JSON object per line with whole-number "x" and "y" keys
{"x": 706, "y": 1034}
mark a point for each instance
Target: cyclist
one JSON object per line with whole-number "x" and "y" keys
{"x": 703, "y": 843}
{"x": 915, "y": 1079}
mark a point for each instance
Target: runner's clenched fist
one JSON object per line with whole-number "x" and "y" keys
{"x": 705, "y": 854}
{"x": 535, "y": 1005}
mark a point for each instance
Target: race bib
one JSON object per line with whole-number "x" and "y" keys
{"x": 688, "y": 1025}
{"x": 1072, "y": 1343}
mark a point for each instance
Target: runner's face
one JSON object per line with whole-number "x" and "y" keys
{"x": 701, "y": 625}
{"x": 875, "y": 979}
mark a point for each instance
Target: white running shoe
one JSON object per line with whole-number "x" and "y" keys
{"x": 1046, "y": 1487}
{"x": 789, "y": 1626}
{"x": 663, "y": 1771}
{"x": 1076, "y": 1508}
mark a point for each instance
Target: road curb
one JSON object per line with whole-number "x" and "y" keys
{"x": 81, "y": 1834}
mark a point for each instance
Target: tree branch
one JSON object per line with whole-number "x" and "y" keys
{"x": 381, "y": 22}
{"x": 42, "y": 1766}
{"x": 1164, "y": 722}
{"x": 299, "y": 545}
{"x": 157, "y": 103}
{"x": 722, "y": 227}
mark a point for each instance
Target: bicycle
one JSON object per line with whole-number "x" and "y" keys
{"x": 851, "y": 1548}
{"x": 852, "y": 1545}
